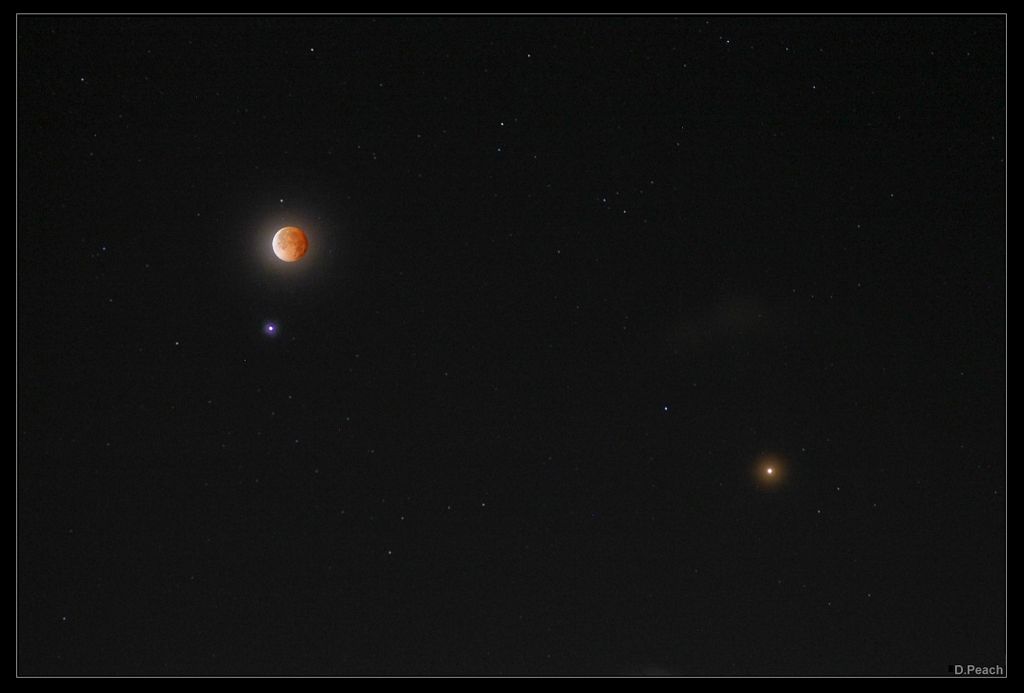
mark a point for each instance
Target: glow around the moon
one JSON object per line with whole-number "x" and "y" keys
{"x": 272, "y": 267}
{"x": 770, "y": 470}
{"x": 290, "y": 244}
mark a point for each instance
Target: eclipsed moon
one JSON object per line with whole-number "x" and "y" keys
{"x": 290, "y": 243}
{"x": 770, "y": 469}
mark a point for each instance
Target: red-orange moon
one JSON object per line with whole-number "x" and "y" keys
{"x": 770, "y": 469}
{"x": 290, "y": 243}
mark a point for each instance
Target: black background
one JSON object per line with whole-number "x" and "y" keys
{"x": 569, "y": 277}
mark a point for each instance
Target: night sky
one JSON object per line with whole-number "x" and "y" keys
{"x": 573, "y": 286}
